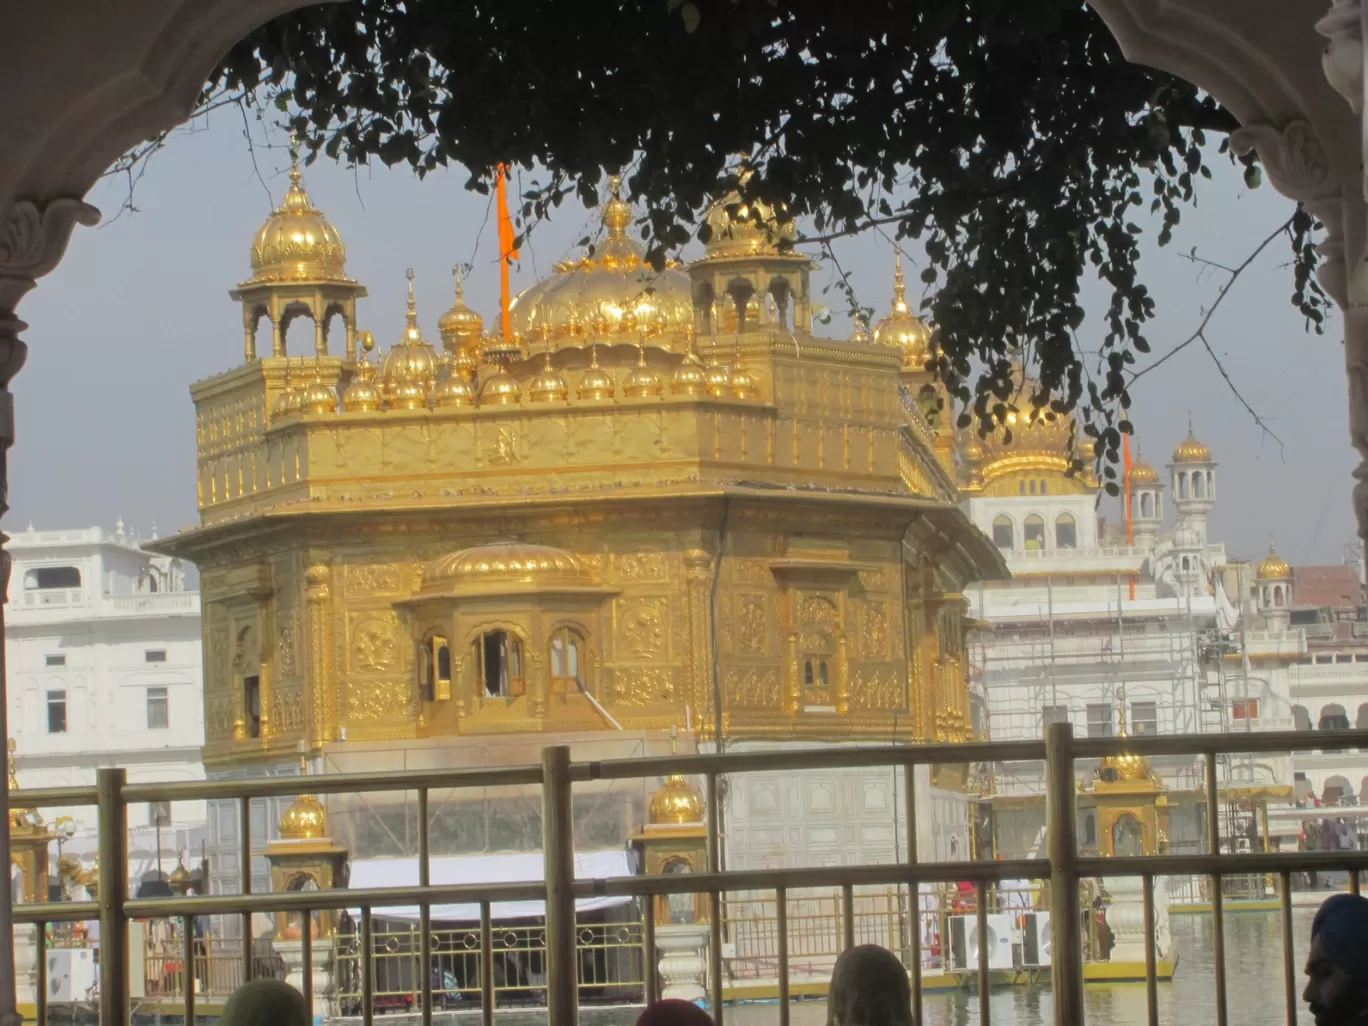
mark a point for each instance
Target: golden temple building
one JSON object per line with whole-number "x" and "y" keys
{"x": 664, "y": 502}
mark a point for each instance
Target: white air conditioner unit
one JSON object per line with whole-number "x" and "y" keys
{"x": 71, "y": 975}
{"x": 964, "y": 942}
{"x": 1036, "y": 942}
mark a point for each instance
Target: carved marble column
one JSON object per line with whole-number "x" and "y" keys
{"x": 683, "y": 951}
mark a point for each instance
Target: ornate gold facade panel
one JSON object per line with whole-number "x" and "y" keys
{"x": 287, "y": 708}
{"x": 645, "y": 566}
{"x": 381, "y": 707}
{"x": 374, "y": 579}
{"x": 642, "y": 628}
{"x": 754, "y": 624}
{"x": 877, "y": 689}
{"x": 753, "y": 687}
{"x": 375, "y": 643}
{"x": 645, "y": 688}
{"x": 874, "y": 632}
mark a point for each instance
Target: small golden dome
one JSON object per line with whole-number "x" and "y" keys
{"x": 642, "y": 382}
{"x": 501, "y": 389}
{"x": 1190, "y": 450}
{"x": 1273, "y": 567}
{"x": 610, "y": 294}
{"x": 453, "y": 389}
{"x": 718, "y": 379}
{"x": 689, "y": 378}
{"x": 460, "y": 326}
{"x": 1125, "y": 767}
{"x": 508, "y": 562}
{"x": 361, "y": 395}
{"x": 861, "y": 335}
{"x": 180, "y": 878}
{"x": 297, "y": 243}
{"x": 741, "y": 230}
{"x": 317, "y": 396}
{"x": 1143, "y": 475}
{"x": 902, "y": 329}
{"x": 597, "y": 384}
{"x": 304, "y": 820}
{"x": 409, "y": 372}
{"x": 548, "y": 386}
{"x": 743, "y": 383}
{"x": 677, "y": 803}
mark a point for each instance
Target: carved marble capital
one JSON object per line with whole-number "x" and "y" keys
{"x": 33, "y": 238}
{"x": 1342, "y": 60}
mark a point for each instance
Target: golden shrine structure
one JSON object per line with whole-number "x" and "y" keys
{"x": 662, "y": 502}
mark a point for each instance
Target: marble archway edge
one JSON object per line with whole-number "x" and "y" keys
{"x": 1291, "y": 72}
{"x": 81, "y": 83}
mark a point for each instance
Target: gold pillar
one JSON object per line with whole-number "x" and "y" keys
{"x": 317, "y": 593}
{"x": 698, "y": 575}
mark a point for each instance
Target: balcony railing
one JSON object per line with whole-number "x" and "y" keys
{"x": 562, "y": 973}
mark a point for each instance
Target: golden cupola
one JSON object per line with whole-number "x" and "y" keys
{"x": 642, "y": 382}
{"x": 1273, "y": 567}
{"x": 1126, "y": 767}
{"x": 608, "y": 296}
{"x": 1143, "y": 475}
{"x": 460, "y": 328}
{"x": 902, "y": 329}
{"x": 297, "y": 243}
{"x": 690, "y": 378}
{"x": 677, "y": 803}
{"x": 409, "y": 372}
{"x": 318, "y": 397}
{"x": 1030, "y": 439}
{"x": 1190, "y": 450}
{"x": 548, "y": 386}
{"x": 304, "y": 820}
{"x": 597, "y": 384}
{"x": 362, "y": 395}
{"x": 453, "y": 389}
{"x": 737, "y": 229}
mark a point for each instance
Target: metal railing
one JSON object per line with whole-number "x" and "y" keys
{"x": 556, "y": 775}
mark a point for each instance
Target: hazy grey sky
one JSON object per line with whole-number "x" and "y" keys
{"x": 139, "y": 309}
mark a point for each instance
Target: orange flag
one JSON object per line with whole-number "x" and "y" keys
{"x": 508, "y": 246}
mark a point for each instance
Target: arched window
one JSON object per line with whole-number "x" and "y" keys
{"x": 1066, "y": 532}
{"x": 1333, "y": 717}
{"x": 566, "y": 673}
{"x": 1187, "y": 564}
{"x": 1267, "y": 596}
{"x": 1338, "y": 791}
{"x": 818, "y": 658}
{"x": 1003, "y": 533}
{"x": 1301, "y": 719}
{"x": 1277, "y": 595}
{"x": 1033, "y": 487}
{"x": 1146, "y": 504}
{"x": 1182, "y": 485}
{"x": 434, "y": 669}
{"x": 1021, "y": 487}
{"x": 1199, "y": 486}
{"x": 1211, "y": 485}
{"x": 1033, "y": 532}
{"x": 1044, "y": 488}
{"x": 498, "y": 661}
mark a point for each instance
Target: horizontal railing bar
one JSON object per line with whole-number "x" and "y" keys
{"x": 377, "y": 899}
{"x": 1225, "y": 865}
{"x": 56, "y": 912}
{"x": 817, "y": 876}
{"x": 52, "y": 797}
{"x": 1239, "y": 742}
{"x": 334, "y": 783}
{"x": 812, "y": 758}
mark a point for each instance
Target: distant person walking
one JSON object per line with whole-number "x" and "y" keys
{"x": 869, "y": 988}
{"x": 1337, "y": 966}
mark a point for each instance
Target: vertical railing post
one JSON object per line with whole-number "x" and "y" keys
{"x": 558, "y": 849}
{"x": 113, "y": 885}
{"x": 1060, "y": 822}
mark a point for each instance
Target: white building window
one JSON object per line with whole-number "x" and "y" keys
{"x": 1099, "y": 720}
{"x": 154, "y": 655}
{"x": 57, "y": 712}
{"x": 1144, "y": 718}
{"x": 1002, "y": 533}
{"x": 1066, "y": 532}
{"x": 158, "y": 813}
{"x": 55, "y": 660}
{"x": 44, "y": 577}
{"x": 158, "y": 709}
{"x": 1034, "y": 532}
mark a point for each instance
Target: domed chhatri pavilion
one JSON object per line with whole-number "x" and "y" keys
{"x": 543, "y": 538}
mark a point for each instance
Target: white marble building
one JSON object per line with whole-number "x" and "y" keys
{"x": 103, "y": 661}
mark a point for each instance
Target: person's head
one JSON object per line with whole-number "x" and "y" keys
{"x": 1337, "y": 966}
{"x": 869, "y": 988}
{"x": 673, "y": 1012}
{"x": 265, "y": 1003}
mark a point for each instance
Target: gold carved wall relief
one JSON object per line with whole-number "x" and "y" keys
{"x": 375, "y": 643}
{"x": 288, "y": 709}
{"x": 643, "y": 628}
{"x": 373, "y": 579}
{"x": 874, "y": 631}
{"x": 753, "y": 687}
{"x": 752, "y": 625}
{"x": 876, "y": 690}
{"x": 378, "y": 702}
{"x": 645, "y": 566}
{"x": 750, "y": 571}
{"x": 638, "y": 688}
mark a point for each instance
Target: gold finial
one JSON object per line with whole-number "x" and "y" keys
{"x": 899, "y": 284}
{"x": 617, "y": 215}
{"x": 674, "y": 738}
{"x": 1121, "y": 711}
{"x": 615, "y": 186}
{"x": 367, "y": 341}
{"x": 295, "y": 174}
{"x": 460, "y": 282}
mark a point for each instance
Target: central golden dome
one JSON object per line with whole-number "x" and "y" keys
{"x": 1040, "y": 438}
{"x": 678, "y": 803}
{"x": 304, "y": 820}
{"x": 507, "y": 562}
{"x": 1273, "y": 567}
{"x": 610, "y": 295}
{"x": 903, "y": 329}
{"x": 297, "y": 243}
{"x": 746, "y": 229}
